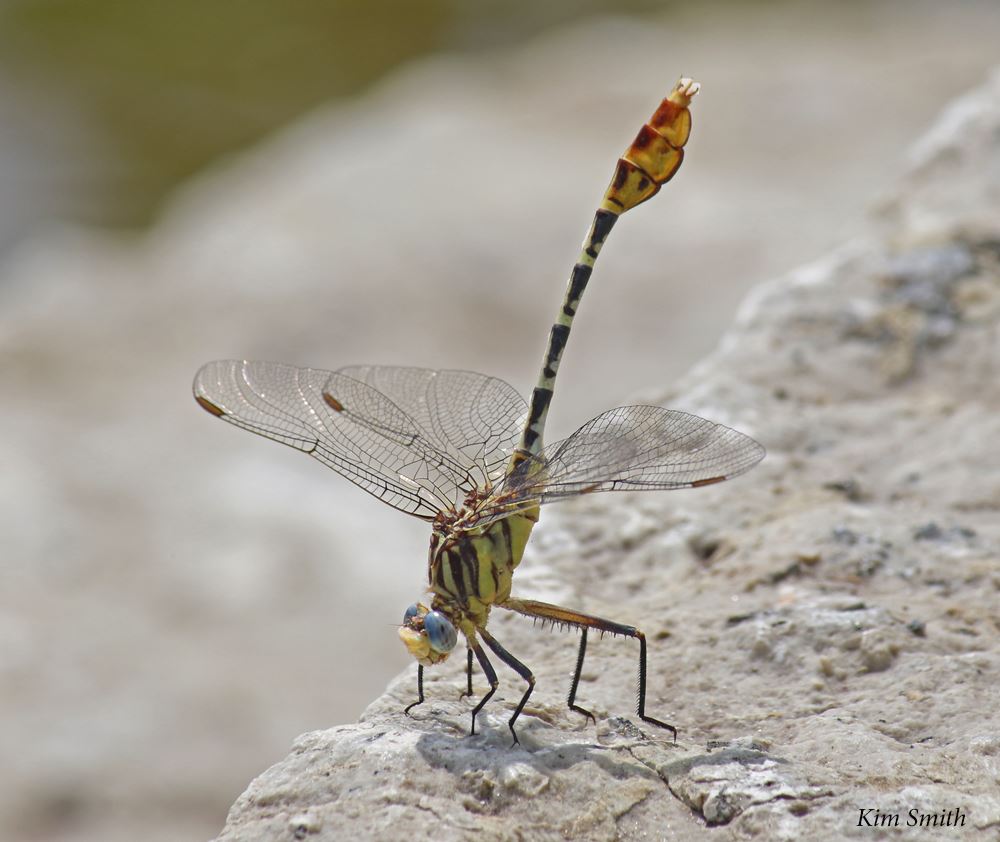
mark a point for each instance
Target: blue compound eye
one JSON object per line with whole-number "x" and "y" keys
{"x": 410, "y": 613}
{"x": 441, "y": 633}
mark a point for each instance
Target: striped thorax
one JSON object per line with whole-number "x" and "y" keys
{"x": 469, "y": 570}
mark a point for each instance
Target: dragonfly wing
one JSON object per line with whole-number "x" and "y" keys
{"x": 475, "y": 419}
{"x": 631, "y": 448}
{"x": 343, "y": 423}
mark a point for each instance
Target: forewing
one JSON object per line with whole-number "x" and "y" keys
{"x": 473, "y": 418}
{"x": 631, "y": 448}
{"x": 345, "y": 424}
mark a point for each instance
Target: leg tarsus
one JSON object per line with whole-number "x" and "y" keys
{"x": 642, "y": 689}
{"x": 659, "y": 724}
{"x": 420, "y": 690}
{"x": 520, "y": 669}
{"x": 589, "y": 716}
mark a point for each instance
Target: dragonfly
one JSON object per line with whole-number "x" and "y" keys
{"x": 465, "y": 452}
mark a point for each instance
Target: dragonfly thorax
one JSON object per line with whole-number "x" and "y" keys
{"x": 465, "y": 516}
{"x": 469, "y": 570}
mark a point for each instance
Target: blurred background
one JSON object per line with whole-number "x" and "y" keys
{"x": 326, "y": 183}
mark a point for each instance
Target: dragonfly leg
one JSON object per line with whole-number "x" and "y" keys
{"x": 468, "y": 673}
{"x": 420, "y": 690}
{"x": 571, "y": 700}
{"x": 642, "y": 688}
{"x": 491, "y": 676}
{"x": 520, "y": 669}
{"x": 557, "y": 615}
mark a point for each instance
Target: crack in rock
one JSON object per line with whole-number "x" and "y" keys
{"x": 721, "y": 786}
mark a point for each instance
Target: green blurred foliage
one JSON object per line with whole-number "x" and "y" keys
{"x": 169, "y": 85}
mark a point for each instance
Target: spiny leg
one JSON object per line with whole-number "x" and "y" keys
{"x": 556, "y": 614}
{"x": 468, "y": 673}
{"x": 420, "y": 690}
{"x": 571, "y": 700}
{"x": 642, "y": 688}
{"x": 520, "y": 669}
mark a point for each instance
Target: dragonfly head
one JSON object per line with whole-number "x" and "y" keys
{"x": 428, "y": 635}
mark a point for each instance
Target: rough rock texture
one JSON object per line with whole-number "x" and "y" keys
{"x": 827, "y": 640}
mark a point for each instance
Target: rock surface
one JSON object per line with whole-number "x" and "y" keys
{"x": 826, "y": 634}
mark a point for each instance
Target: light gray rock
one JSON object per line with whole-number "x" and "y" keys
{"x": 824, "y": 630}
